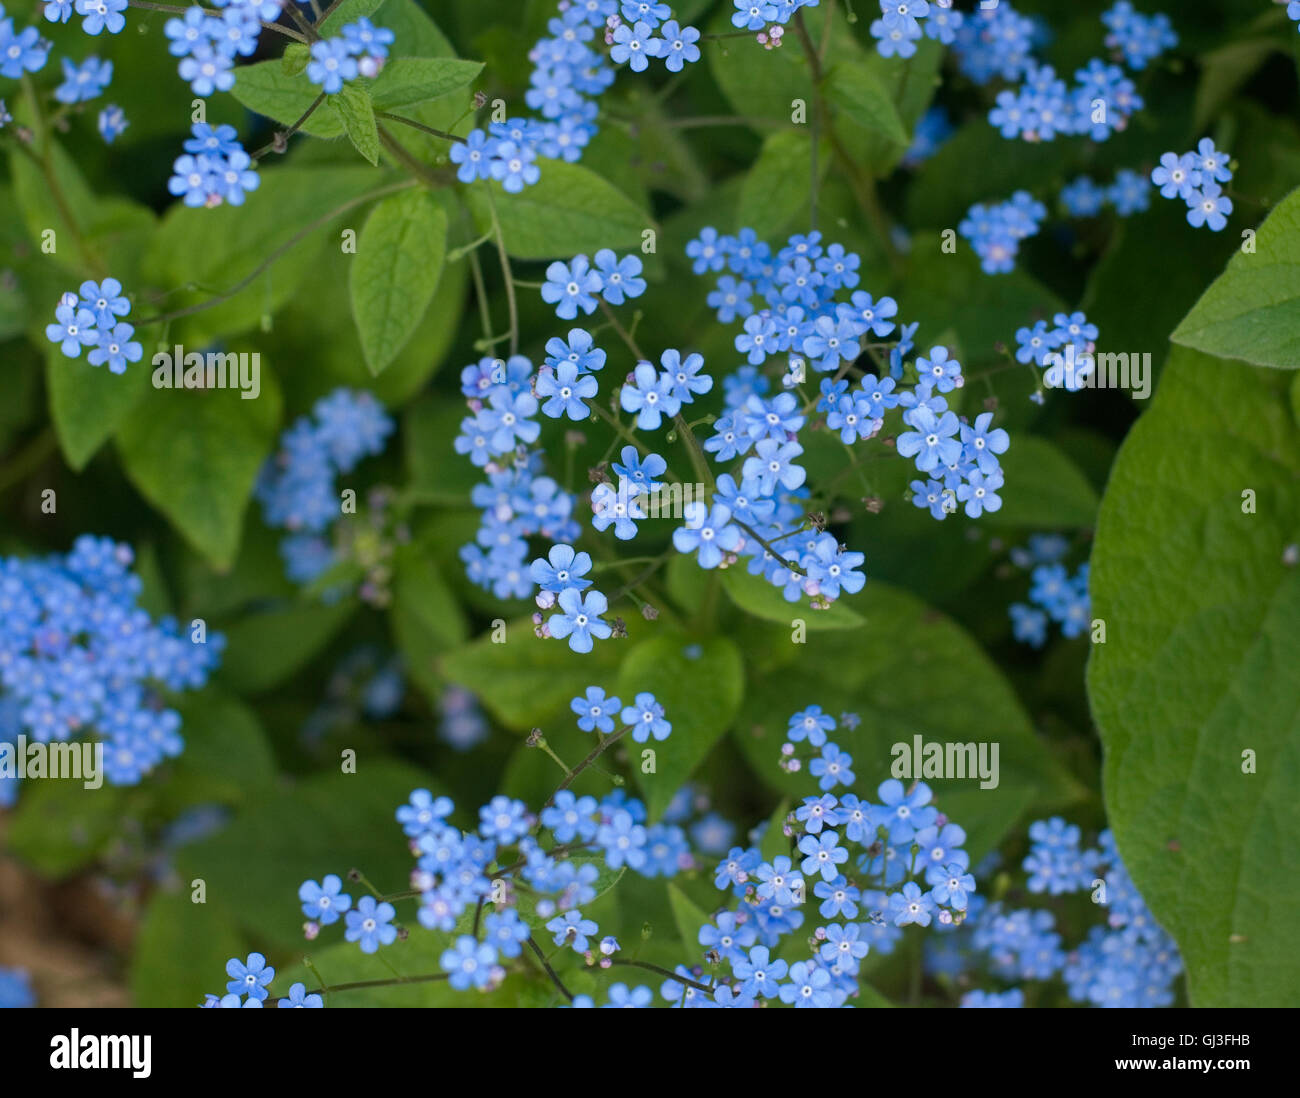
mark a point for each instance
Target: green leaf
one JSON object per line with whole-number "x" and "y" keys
{"x": 1043, "y": 487}
{"x": 690, "y": 918}
{"x": 1252, "y": 311}
{"x": 268, "y": 88}
{"x": 396, "y": 271}
{"x": 265, "y": 648}
{"x": 60, "y": 826}
{"x": 908, "y": 671}
{"x": 354, "y": 109}
{"x": 569, "y": 210}
{"x": 227, "y": 757}
{"x": 778, "y": 188}
{"x": 329, "y": 823}
{"x": 406, "y": 81}
{"x": 425, "y": 617}
{"x": 524, "y": 681}
{"x": 295, "y": 60}
{"x": 180, "y": 951}
{"x": 756, "y": 596}
{"x": 1202, "y": 640}
{"x": 860, "y": 95}
{"x": 195, "y": 453}
{"x": 220, "y": 249}
{"x": 699, "y": 683}
{"x": 88, "y": 403}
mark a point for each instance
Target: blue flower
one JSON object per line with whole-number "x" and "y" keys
{"x": 116, "y": 348}
{"x": 950, "y": 885}
{"x": 931, "y": 443}
{"x": 650, "y": 396}
{"x": 710, "y": 531}
{"x": 646, "y": 716}
{"x": 474, "y": 155}
{"x": 506, "y": 931}
{"x": 570, "y": 287}
{"x": 503, "y": 819}
{"x": 595, "y": 710}
{"x": 513, "y": 166}
{"x": 73, "y": 329}
{"x": 572, "y": 929}
{"x": 1208, "y": 206}
{"x": 207, "y": 71}
{"x": 250, "y": 977}
{"x": 81, "y": 84}
{"x": 979, "y": 493}
{"x": 562, "y": 569}
{"x": 677, "y": 46}
{"x": 753, "y": 15}
{"x": 623, "y": 840}
{"x": 822, "y": 854}
{"x": 299, "y": 998}
{"x": 773, "y": 464}
{"x": 331, "y": 64}
{"x": 111, "y": 123}
{"x": 911, "y": 905}
{"x": 578, "y": 618}
{"x": 810, "y": 724}
{"x": 100, "y": 15}
{"x": 1177, "y": 176}
{"x": 370, "y": 924}
{"x": 641, "y": 474}
{"x": 578, "y": 350}
{"x": 843, "y": 946}
{"x": 470, "y": 963}
{"x": 325, "y": 902}
{"x": 622, "y": 509}
{"x": 572, "y": 817}
{"x": 809, "y": 986}
{"x": 621, "y": 996}
{"x": 619, "y": 278}
{"x": 631, "y": 42}
{"x": 760, "y": 975}
{"x": 566, "y": 390}
{"x": 833, "y": 768}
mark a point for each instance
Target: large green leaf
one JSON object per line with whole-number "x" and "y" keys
{"x": 858, "y": 94}
{"x": 89, "y": 403}
{"x": 195, "y": 453}
{"x": 180, "y": 951}
{"x": 396, "y": 271}
{"x": 1043, "y": 487}
{"x": 699, "y": 683}
{"x": 1252, "y": 311}
{"x": 1202, "y": 642}
{"x": 266, "y": 647}
{"x": 778, "y": 188}
{"x": 568, "y": 211}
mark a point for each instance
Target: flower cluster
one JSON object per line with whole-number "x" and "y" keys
{"x": 996, "y": 42}
{"x": 297, "y": 487}
{"x": 872, "y": 869}
{"x": 91, "y": 317}
{"x": 249, "y": 985}
{"x": 360, "y": 49}
{"x": 634, "y": 42}
{"x": 1054, "y": 595}
{"x": 1196, "y": 178}
{"x": 903, "y": 22}
{"x": 214, "y": 168}
{"x": 1130, "y": 962}
{"x": 995, "y": 232}
{"x": 1139, "y": 38}
{"x": 1099, "y": 103}
{"x": 208, "y": 44}
{"x": 79, "y": 656}
{"x": 1064, "y": 350}
{"x": 1129, "y": 193}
